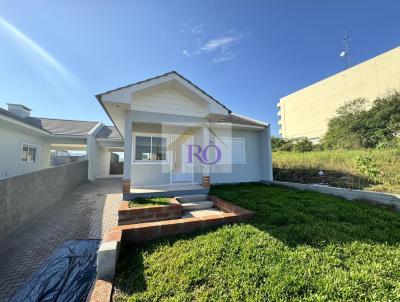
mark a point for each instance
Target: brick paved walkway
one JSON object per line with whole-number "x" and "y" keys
{"x": 87, "y": 212}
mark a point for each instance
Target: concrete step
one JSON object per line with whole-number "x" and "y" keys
{"x": 197, "y": 205}
{"x": 191, "y": 198}
{"x": 201, "y": 213}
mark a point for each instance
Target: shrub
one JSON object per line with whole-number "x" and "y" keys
{"x": 303, "y": 145}
{"x": 299, "y": 145}
{"x": 367, "y": 167}
{"x": 354, "y": 126}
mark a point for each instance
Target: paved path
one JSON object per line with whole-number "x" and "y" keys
{"x": 88, "y": 212}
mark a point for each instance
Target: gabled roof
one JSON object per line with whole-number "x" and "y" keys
{"x": 234, "y": 119}
{"x": 64, "y": 127}
{"x": 98, "y": 96}
{"x": 55, "y": 126}
{"x": 20, "y": 119}
{"x": 108, "y": 132}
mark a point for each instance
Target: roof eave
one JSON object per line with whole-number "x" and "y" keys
{"x": 98, "y": 97}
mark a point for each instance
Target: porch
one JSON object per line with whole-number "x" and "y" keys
{"x": 171, "y": 190}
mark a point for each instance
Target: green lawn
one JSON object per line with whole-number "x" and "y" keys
{"x": 340, "y": 167}
{"x": 301, "y": 246}
{"x": 152, "y": 201}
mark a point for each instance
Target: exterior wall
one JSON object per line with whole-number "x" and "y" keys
{"x": 102, "y": 162}
{"x": 25, "y": 195}
{"x": 12, "y": 137}
{"x": 305, "y": 113}
{"x": 251, "y": 169}
{"x": 147, "y": 174}
{"x": 150, "y": 174}
{"x": 169, "y": 100}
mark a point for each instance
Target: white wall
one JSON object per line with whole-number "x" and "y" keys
{"x": 102, "y": 162}
{"x": 169, "y": 100}
{"x": 11, "y": 139}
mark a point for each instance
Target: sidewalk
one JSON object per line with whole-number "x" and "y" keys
{"x": 88, "y": 212}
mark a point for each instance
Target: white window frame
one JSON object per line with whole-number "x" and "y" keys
{"x": 244, "y": 150}
{"x": 150, "y": 161}
{"x": 33, "y": 147}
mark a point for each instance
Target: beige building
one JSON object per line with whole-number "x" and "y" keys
{"x": 305, "y": 113}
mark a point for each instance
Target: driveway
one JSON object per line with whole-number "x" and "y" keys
{"x": 86, "y": 213}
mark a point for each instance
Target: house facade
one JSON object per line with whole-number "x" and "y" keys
{"x": 27, "y": 142}
{"x": 172, "y": 137}
{"x": 176, "y": 134}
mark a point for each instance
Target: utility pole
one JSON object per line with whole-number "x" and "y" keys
{"x": 346, "y": 50}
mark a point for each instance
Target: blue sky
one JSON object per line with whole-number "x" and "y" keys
{"x": 56, "y": 55}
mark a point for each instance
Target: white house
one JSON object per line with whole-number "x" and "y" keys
{"x": 174, "y": 137}
{"x": 26, "y": 142}
{"x": 178, "y": 137}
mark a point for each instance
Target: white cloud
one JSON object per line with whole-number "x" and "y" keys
{"x": 219, "y": 43}
{"x": 197, "y": 29}
{"x": 223, "y": 48}
{"x": 223, "y": 58}
{"x": 186, "y": 53}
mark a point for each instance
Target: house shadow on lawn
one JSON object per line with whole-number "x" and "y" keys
{"x": 330, "y": 177}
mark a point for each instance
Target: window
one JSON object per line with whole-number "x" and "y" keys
{"x": 29, "y": 153}
{"x": 150, "y": 148}
{"x": 232, "y": 150}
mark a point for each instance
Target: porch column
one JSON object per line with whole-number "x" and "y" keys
{"x": 206, "y": 178}
{"x": 91, "y": 157}
{"x": 126, "y": 181}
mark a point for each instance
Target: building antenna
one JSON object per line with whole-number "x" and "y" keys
{"x": 346, "y": 50}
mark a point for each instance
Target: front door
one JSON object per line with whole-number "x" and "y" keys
{"x": 182, "y": 171}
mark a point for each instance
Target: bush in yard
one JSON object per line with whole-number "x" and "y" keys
{"x": 303, "y": 145}
{"x": 281, "y": 144}
{"x": 367, "y": 167}
{"x": 299, "y": 145}
{"x": 354, "y": 126}
{"x": 341, "y": 134}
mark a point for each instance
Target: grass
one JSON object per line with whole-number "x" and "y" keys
{"x": 301, "y": 246}
{"x": 141, "y": 201}
{"x": 340, "y": 167}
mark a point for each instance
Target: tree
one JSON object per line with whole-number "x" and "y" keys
{"x": 355, "y": 127}
{"x": 341, "y": 134}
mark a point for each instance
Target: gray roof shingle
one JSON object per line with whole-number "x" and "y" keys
{"x": 55, "y": 126}
{"x": 234, "y": 119}
{"x": 108, "y": 132}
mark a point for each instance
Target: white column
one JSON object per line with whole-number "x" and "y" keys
{"x": 206, "y": 178}
{"x": 91, "y": 156}
{"x": 126, "y": 182}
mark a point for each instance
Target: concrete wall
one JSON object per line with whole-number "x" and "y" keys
{"x": 374, "y": 197}
{"x": 25, "y": 195}
{"x": 12, "y": 137}
{"x": 306, "y": 112}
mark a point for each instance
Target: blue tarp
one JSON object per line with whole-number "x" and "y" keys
{"x": 67, "y": 275}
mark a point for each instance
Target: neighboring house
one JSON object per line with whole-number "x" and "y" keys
{"x": 27, "y": 142}
{"x": 305, "y": 113}
{"x": 175, "y": 134}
